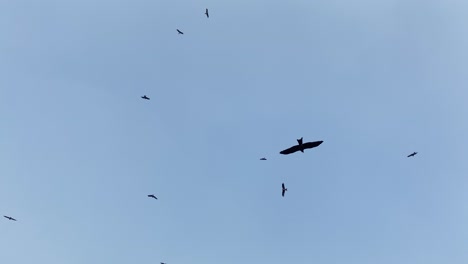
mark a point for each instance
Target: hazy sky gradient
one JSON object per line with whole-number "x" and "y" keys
{"x": 375, "y": 80}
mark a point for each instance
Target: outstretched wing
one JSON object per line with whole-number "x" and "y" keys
{"x": 290, "y": 150}
{"x": 282, "y": 194}
{"x": 282, "y": 185}
{"x": 314, "y": 144}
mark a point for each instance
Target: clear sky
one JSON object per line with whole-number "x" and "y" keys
{"x": 375, "y": 80}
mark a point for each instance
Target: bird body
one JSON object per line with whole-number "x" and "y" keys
{"x": 412, "y": 154}
{"x": 180, "y": 32}
{"x": 206, "y": 13}
{"x": 301, "y": 147}
{"x": 145, "y": 97}
{"x": 283, "y": 190}
{"x": 263, "y": 159}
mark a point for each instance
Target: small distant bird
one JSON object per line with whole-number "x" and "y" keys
{"x": 263, "y": 159}
{"x": 9, "y": 218}
{"x": 206, "y": 13}
{"x": 412, "y": 154}
{"x": 152, "y": 196}
{"x": 163, "y": 262}
{"x": 301, "y": 147}
{"x": 145, "y": 97}
{"x": 180, "y": 32}
{"x": 284, "y": 190}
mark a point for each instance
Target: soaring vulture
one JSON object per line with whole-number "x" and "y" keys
{"x": 9, "y": 218}
{"x": 301, "y": 147}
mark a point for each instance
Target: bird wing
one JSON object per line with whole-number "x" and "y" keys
{"x": 312, "y": 144}
{"x": 282, "y": 185}
{"x": 290, "y": 150}
{"x": 282, "y": 194}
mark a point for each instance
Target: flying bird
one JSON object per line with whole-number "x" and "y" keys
{"x": 152, "y": 196}
{"x": 180, "y": 32}
{"x": 412, "y": 154}
{"x": 206, "y": 13}
{"x": 145, "y": 97}
{"x": 263, "y": 159}
{"x": 284, "y": 190}
{"x": 301, "y": 147}
{"x": 9, "y": 218}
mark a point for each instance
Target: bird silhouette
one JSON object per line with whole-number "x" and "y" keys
{"x": 301, "y": 147}
{"x": 152, "y": 196}
{"x": 206, "y": 13}
{"x": 412, "y": 154}
{"x": 180, "y": 32}
{"x": 263, "y": 159}
{"x": 9, "y": 218}
{"x": 145, "y": 97}
{"x": 284, "y": 189}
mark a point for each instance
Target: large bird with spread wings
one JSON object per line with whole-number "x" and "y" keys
{"x": 284, "y": 189}
{"x": 9, "y": 218}
{"x": 301, "y": 147}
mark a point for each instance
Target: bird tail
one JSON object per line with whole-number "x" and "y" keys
{"x": 299, "y": 141}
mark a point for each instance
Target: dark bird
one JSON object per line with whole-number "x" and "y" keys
{"x": 206, "y": 13}
{"x": 263, "y": 159}
{"x": 412, "y": 154}
{"x": 301, "y": 147}
{"x": 145, "y": 97}
{"x": 9, "y": 218}
{"x": 152, "y": 196}
{"x": 180, "y": 32}
{"x": 163, "y": 263}
{"x": 284, "y": 190}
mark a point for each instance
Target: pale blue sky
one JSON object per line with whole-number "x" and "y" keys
{"x": 375, "y": 80}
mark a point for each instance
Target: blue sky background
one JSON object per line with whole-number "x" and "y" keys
{"x": 375, "y": 80}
